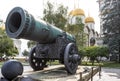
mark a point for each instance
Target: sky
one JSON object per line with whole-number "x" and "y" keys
{"x": 35, "y": 7}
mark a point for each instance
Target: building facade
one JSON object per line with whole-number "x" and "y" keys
{"x": 89, "y": 25}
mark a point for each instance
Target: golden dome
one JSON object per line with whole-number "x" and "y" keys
{"x": 77, "y": 12}
{"x": 70, "y": 12}
{"x": 89, "y": 19}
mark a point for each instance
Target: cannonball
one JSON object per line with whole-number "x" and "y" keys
{"x": 11, "y": 69}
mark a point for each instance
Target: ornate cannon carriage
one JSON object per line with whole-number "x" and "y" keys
{"x": 52, "y": 42}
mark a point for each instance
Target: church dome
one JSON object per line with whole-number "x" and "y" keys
{"x": 89, "y": 19}
{"x": 77, "y": 12}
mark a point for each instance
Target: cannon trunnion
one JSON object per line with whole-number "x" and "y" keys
{"x": 52, "y": 42}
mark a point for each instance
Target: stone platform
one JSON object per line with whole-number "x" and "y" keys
{"x": 55, "y": 73}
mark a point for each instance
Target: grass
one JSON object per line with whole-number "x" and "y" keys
{"x": 103, "y": 64}
{"x": 90, "y": 64}
{"x": 23, "y": 63}
{"x": 111, "y": 64}
{"x": 56, "y": 62}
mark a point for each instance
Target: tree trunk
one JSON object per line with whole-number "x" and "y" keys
{"x": 92, "y": 62}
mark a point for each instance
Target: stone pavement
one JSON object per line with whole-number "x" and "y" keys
{"x": 53, "y": 73}
{"x": 108, "y": 74}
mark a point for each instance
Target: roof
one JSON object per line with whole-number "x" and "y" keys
{"x": 89, "y": 19}
{"x": 77, "y": 11}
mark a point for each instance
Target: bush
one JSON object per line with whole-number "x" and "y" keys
{"x": 93, "y": 52}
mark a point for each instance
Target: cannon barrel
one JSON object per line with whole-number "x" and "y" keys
{"x": 21, "y": 24}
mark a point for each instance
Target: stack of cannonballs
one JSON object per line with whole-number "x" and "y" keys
{"x": 12, "y": 71}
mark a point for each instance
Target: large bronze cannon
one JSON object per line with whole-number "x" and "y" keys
{"x": 52, "y": 42}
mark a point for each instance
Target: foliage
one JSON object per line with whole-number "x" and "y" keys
{"x": 55, "y": 17}
{"x": 6, "y": 45}
{"x": 110, "y": 16}
{"x": 25, "y": 53}
{"x": 93, "y": 52}
{"x": 78, "y": 31}
{"x": 31, "y": 44}
{"x": 111, "y": 25}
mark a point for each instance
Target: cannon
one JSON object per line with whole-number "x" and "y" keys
{"x": 52, "y": 42}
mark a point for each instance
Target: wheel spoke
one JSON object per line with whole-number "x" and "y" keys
{"x": 34, "y": 60}
{"x": 72, "y": 66}
{"x": 36, "y": 64}
{"x": 69, "y": 59}
{"x": 33, "y": 54}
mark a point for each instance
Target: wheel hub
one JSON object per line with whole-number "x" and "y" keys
{"x": 75, "y": 58}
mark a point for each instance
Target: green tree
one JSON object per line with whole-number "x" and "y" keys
{"x": 25, "y": 53}
{"x": 111, "y": 26}
{"x": 56, "y": 17}
{"x": 103, "y": 51}
{"x": 31, "y": 44}
{"x": 6, "y": 45}
{"x": 78, "y": 31}
{"x": 93, "y": 52}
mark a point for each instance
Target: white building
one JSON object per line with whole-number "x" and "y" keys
{"x": 89, "y": 22}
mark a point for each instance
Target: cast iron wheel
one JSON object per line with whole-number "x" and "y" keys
{"x": 35, "y": 63}
{"x": 71, "y": 58}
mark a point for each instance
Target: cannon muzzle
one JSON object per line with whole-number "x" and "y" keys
{"x": 21, "y": 24}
